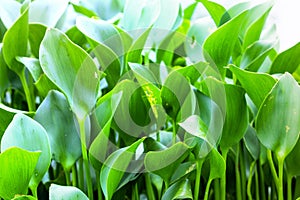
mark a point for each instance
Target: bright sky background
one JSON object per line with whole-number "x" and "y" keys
{"x": 285, "y": 14}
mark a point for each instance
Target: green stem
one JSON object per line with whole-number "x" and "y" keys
{"x": 85, "y": 158}
{"x": 217, "y": 189}
{"x": 99, "y": 191}
{"x": 289, "y": 187}
{"x": 250, "y": 181}
{"x": 136, "y": 192}
{"x": 243, "y": 175}
{"x": 80, "y": 175}
{"x": 198, "y": 177}
{"x": 262, "y": 181}
{"x": 280, "y": 180}
{"x": 174, "y": 132}
{"x": 272, "y": 167}
{"x": 223, "y": 178}
{"x": 74, "y": 176}
{"x": 149, "y": 187}
{"x": 237, "y": 174}
{"x": 29, "y": 96}
{"x": 206, "y": 195}
{"x": 257, "y": 197}
{"x": 67, "y": 175}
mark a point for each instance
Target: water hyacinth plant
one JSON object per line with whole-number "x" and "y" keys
{"x": 146, "y": 100}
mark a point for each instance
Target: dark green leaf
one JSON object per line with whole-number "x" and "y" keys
{"x": 251, "y": 82}
{"x": 236, "y": 120}
{"x": 179, "y": 190}
{"x": 278, "y": 118}
{"x": 292, "y": 161}
{"x": 115, "y": 166}
{"x": 165, "y": 162}
{"x": 287, "y": 61}
{"x": 255, "y": 55}
{"x": 252, "y": 143}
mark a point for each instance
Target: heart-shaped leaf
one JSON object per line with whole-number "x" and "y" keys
{"x": 17, "y": 167}
{"x": 278, "y": 118}
{"x": 63, "y": 137}
{"x": 72, "y": 70}
{"x": 26, "y": 133}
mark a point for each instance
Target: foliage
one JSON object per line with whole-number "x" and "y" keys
{"x": 142, "y": 99}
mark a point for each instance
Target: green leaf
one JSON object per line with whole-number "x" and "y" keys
{"x": 33, "y": 65}
{"x": 254, "y": 31}
{"x": 26, "y": 133}
{"x": 17, "y": 167}
{"x": 115, "y": 166}
{"x": 287, "y": 61}
{"x": 72, "y": 70}
{"x": 196, "y": 36}
{"x": 251, "y": 82}
{"x": 278, "y": 118}
{"x": 135, "y": 51}
{"x": 183, "y": 170}
{"x": 13, "y": 47}
{"x": 252, "y": 143}
{"x": 292, "y": 161}
{"x": 44, "y": 85}
{"x": 149, "y": 82}
{"x": 217, "y": 164}
{"x": 189, "y": 11}
{"x": 236, "y": 120}
{"x": 36, "y": 35}
{"x": 6, "y": 116}
{"x": 9, "y": 12}
{"x": 58, "y": 192}
{"x": 101, "y": 146}
{"x": 4, "y": 80}
{"x": 140, "y": 14}
{"x": 165, "y": 162}
{"x": 63, "y": 137}
{"x": 179, "y": 190}
{"x": 220, "y": 45}
{"x": 134, "y": 115}
{"x": 215, "y": 10}
{"x": 107, "y": 10}
{"x": 175, "y": 91}
{"x": 108, "y": 45}
{"x": 255, "y": 55}
{"x": 47, "y": 12}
